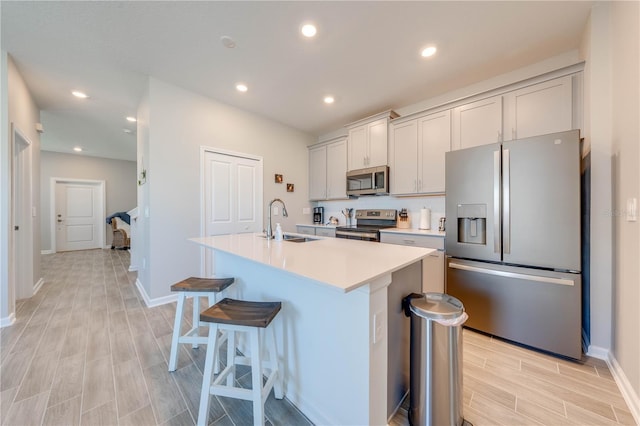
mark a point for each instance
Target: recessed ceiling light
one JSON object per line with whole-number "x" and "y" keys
{"x": 428, "y": 51}
{"x": 77, "y": 149}
{"x": 241, "y": 87}
{"x": 228, "y": 42}
{"x": 308, "y": 30}
{"x": 79, "y": 94}
{"x": 131, "y": 119}
{"x": 329, "y": 99}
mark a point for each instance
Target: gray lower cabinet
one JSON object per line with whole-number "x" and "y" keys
{"x": 314, "y": 230}
{"x": 432, "y": 265}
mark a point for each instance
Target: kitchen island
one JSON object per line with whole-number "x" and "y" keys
{"x": 341, "y": 334}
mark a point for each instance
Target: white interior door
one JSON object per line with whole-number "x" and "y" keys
{"x": 78, "y": 216}
{"x": 232, "y": 196}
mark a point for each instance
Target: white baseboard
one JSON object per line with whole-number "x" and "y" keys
{"x": 38, "y": 286}
{"x": 628, "y": 393}
{"x": 7, "y": 321}
{"x": 313, "y": 414}
{"x": 152, "y": 303}
{"x": 133, "y": 268}
{"x": 598, "y": 352}
{"x": 47, "y": 252}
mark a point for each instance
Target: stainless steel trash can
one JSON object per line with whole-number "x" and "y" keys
{"x": 435, "y": 390}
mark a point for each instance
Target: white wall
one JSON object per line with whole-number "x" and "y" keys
{"x": 141, "y": 247}
{"x": 23, "y": 113}
{"x": 7, "y": 306}
{"x": 597, "y": 135}
{"x": 625, "y": 67}
{"x": 119, "y": 177}
{"x": 180, "y": 122}
{"x": 612, "y": 92}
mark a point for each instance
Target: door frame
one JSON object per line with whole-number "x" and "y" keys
{"x": 99, "y": 184}
{"x": 21, "y": 243}
{"x": 203, "y": 219}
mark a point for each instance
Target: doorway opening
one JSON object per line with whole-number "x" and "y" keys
{"x": 22, "y": 213}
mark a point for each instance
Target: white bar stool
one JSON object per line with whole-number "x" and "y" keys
{"x": 239, "y": 315}
{"x": 195, "y": 287}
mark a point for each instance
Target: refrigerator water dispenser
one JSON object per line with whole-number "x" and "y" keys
{"x": 472, "y": 223}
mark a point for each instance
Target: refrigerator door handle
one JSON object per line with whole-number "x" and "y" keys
{"x": 496, "y": 201}
{"x": 549, "y": 280}
{"x": 506, "y": 201}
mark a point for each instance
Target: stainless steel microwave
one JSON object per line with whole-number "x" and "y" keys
{"x": 371, "y": 181}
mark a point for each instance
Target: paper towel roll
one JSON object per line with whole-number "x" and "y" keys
{"x": 425, "y": 218}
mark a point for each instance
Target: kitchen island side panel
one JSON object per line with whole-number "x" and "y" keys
{"x": 333, "y": 371}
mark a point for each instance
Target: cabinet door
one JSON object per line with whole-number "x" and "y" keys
{"x": 377, "y": 148}
{"x": 357, "y": 148}
{"x": 477, "y": 123}
{"x": 337, "y": 170}
{"x": 318, "y": 173}
{"x": 433, "y": 273}
{"x": 539, "y": 109}
{"x": 434, "y": 140}
{"x": 403, "y": 147}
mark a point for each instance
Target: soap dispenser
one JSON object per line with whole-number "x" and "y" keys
{"x": 278, "y": 233}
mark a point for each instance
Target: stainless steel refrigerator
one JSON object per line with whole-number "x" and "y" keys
{"x": 513, "y": 239}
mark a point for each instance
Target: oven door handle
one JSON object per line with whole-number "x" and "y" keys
{"x": 357, "y": 234}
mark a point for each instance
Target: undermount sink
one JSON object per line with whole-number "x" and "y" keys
{"x": 297, "y": 238}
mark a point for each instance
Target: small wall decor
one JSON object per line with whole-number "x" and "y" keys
{"x": 289, "y": 187}
{"x": 278, "y": 178}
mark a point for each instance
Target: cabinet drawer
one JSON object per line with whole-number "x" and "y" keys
{"x": 413, "y": 240}
{"x": 309, "y": 230}
{"x": 326, "y": 232}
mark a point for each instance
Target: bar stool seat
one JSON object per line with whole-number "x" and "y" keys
{"x": 233, "y": 316}
{"x": 196, "y": 288}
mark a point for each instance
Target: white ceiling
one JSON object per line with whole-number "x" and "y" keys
{"x": 365, "y": 53}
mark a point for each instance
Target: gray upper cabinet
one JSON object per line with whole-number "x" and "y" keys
{"x": 368, "y": 141}
{"x": 534, "y": 110}
{"x": 327, "y": 170}
{"x": 538, "y": 109}
{"x": 416, "y": 154}
{"x": 477, "y": 123}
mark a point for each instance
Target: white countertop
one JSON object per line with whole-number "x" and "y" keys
{"x": 414, "y": 231}
{"x": 340, "y": 263}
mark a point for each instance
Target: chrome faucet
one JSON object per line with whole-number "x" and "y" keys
{"x": 284, "y": 213}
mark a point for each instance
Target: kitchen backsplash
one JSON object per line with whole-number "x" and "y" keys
{"x": 412, "y": 204}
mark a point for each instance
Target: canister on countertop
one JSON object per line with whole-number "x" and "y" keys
{"x": 425, "y": 218}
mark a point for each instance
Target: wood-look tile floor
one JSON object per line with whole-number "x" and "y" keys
{"x": 85, "y": 350}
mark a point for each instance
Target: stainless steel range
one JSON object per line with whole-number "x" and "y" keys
{"x": 369, "y": 222}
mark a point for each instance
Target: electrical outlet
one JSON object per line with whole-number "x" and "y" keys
{"x": 379, "y": 323}
{"x": 306, "y": 210}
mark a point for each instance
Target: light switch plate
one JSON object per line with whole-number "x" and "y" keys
{"x": 275, "y": 211}
{"x": 632, "y": 209}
